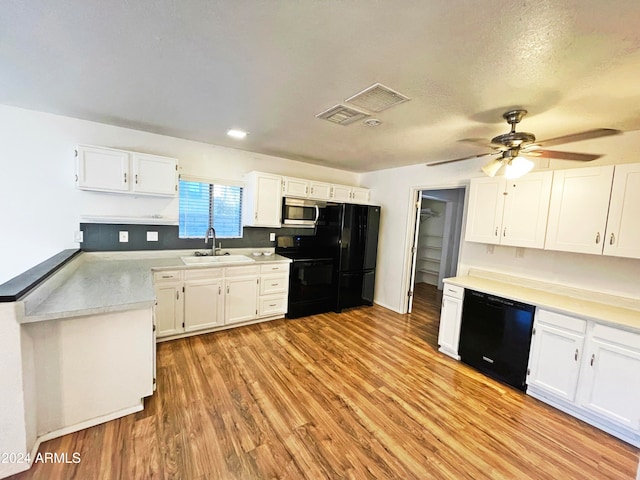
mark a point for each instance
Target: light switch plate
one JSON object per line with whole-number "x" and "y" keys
{"x": 272, "y": 237}
{"x": 123, "y": 236}
{"x": 152, "y": 236}
{"x": 78, "y": 236}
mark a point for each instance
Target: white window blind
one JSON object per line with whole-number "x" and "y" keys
{"x": 206, "y": 204}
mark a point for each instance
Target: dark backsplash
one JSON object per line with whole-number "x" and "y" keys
{"x": 104, "y": 237}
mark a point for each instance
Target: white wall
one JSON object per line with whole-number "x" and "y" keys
{"x": 41, "y": 208}
{"x": 392, "y": 190}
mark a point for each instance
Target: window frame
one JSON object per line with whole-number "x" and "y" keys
{"x": 211, "y": 182}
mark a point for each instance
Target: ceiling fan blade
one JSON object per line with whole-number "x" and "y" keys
{"x": 440, "y": 162}
{"x": 482, "y": 142}
{"x": 583, "y": 157}
{"x": 577, "y": 137}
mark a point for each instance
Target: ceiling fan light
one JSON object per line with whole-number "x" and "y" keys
{"x": 517, "y": 167}
{"x": 491, "y": 168}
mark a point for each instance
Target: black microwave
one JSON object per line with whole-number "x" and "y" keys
{"x": 297, "y": 212}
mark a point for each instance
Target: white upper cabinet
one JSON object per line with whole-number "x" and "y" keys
{"x": 509, "y": 212}
{"x": 578, "y": 209}
{"x": 102, "y": 169}
{"x": 346, "y": 194}
{"x": 110, "y": 170}
{"x": 262, "y": 200}
{"x": 154, "y": 175}
{"x": 623, "y": 225}
{"x": 295, "y": 187}
{"x": 319, "y": 190}
{"x": 486, "y": 204}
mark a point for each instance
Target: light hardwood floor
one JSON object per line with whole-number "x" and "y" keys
{"x": 360, "y": 395}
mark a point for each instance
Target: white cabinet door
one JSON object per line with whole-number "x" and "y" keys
{"x": 526, "y": 208}
{"x": 295, "y": 187}
{"x": 241, "y": 302}
{"x": 486, "y": 204}
{"x": 556, "y": 354}
{"x": 154, "y": 175}
{"x": 319, "y": 190}
{"x": 169, "y": 309}
{"x": 450, "y": 320}
{"x": 623, "y": 224}
{"x": 102, "y": 169}
{"x": 610, "y": 381}
{"x": 262, "y": 203}
{"x": 203, "y": 304}
{"x": 360, "y": 195}
{"x": 578, "y": 209}
{"x": 341, "y": 193}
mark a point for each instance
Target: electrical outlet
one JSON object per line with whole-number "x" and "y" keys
{"x": 272, "y": 237}
{"x": 152, "y": 236}
{"x": 123, "y": 236}
{"x": 519, "y": 252}
{"x": 78, "y": 236}
{"x": 490, "y": 249}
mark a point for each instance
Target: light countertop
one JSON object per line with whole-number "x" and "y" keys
{"x": 97, "y": 283}
{"x": 620, "y": 311}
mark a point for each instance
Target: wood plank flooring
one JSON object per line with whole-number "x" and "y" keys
{"x": 361, "y": 395}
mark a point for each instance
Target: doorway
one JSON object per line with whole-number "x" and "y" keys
{"x": 437, "y": 237}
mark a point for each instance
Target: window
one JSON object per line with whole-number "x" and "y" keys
{"x": 205, "y": 204}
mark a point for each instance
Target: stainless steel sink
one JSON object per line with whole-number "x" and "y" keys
{"x": 217, "y": 260}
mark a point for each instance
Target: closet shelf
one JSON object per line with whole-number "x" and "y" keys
{"x": 429, "y": 271}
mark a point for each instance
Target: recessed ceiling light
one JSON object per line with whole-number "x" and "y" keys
{"x": 236, "y": 133}
{"x": 372, "y": 122}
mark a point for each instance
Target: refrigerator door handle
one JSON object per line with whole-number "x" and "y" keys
{"x": 317, "y": 214}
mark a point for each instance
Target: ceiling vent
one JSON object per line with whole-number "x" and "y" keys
{"x": 377, "y": 98}
{"x": 342, "y": 115}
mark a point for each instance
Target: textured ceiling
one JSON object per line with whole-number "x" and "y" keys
{"x": 193, "y": 69}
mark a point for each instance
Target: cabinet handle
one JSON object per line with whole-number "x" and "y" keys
{"x": 272, "y": 304}
{"x": 219, "y": 290}
{"x": 306, "y": 190}
{"x": 256, "y": 216}
{"x": 612, "y": 240}
{"x": 136, "y": 178}
{"x": 227, "y": 289}
{"x": 274, "y": 284}
{"x": 504, "y": 232}
{"x": 593, "y": 357}
{"x": 496, "y": 232}
{"x": 575, "y": 355}
{"x": 597, "y": 238}
{"x": 167, "y": 276}
{"x": 125, "y": 177}
{"x": 178, "y": 295}
{"x": 76, "y": 177}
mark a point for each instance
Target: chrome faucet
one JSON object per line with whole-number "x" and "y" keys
{"x": 211, "y": 234}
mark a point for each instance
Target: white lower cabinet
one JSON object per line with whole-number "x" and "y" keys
{"x": 450, "y": 320}
{"x": 589, "y": 370}
{"x": 610, "y": 381}
{"x": 198, "y": 299}
{"x": 241, "y": 302}
{"x": 556, "y": 351}
{"x": 169, "y": 309}
{"x": 203, "y": 299}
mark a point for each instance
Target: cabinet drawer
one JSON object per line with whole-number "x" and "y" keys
{"x": 562, "y": 321}
{"x": 167, "y": 276}
{"x": 453, "y": 291}
{"x": 274, "y": 284}
{"x": 200, "y": 273}
{"x": 272, "y": 305}
{"x": 274, "y": 268}
{"x": 244, "y": 271}
{"x": 616, "y": 335}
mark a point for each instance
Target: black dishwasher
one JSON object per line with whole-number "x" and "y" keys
{"x": 495, "y": 337}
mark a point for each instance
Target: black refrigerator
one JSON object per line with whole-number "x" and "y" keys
{"x": 356, "y": 260}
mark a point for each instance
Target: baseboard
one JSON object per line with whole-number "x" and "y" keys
{"x": 82, "y": 426}
{"x": 220, "y": 328}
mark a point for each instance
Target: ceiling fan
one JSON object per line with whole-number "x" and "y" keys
{"x": 510, "y": 148}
